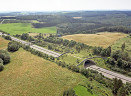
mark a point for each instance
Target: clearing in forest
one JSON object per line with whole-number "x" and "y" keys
{"x": 103, "y": 39}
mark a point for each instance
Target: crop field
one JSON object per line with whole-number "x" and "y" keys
{"x": 3, "y": 43}
{"x": 19, "y": 28}
{"x": 30, "y": 75}
{"x": 103, "y": 39}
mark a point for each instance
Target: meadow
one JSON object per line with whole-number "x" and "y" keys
{"x": 103, "y": 39}
{"x": 19, "y": 28}
{"x": 30, "y": 75}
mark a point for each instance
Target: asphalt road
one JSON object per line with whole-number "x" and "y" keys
{"x": 105, "y": 72}
{"x": 38, "y": 48}
{"x": 110, "y": 74}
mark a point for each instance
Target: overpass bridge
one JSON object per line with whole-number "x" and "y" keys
{"x": 90, "y": 64}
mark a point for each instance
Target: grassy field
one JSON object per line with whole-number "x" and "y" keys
{"x": 3, "y": 43}
{"x": 30, "y": 75}
{"x": 103, "y": 39}
{"x": 117, "y": 45}
{"x": 97, "y": 89}
{"x": 19, "y": 28}
{"x": 82, "y": 91}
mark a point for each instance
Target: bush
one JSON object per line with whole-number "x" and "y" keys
{"x": 13, "y": 46}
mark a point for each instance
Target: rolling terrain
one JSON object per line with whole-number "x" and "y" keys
{"x": 100, "y": 39}
{"x": 31, "y": 75}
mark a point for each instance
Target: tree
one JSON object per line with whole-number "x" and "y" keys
{"x": 123, "y": 47}
{"x": 78, "y": 61}
{"x": 7, "y": 37}
{"x": 50, "y": 47}
{"x": 13, "y": 46}
{"x": 122, "y": 91}
{"x": 117, "y": 54}
{"x": 108, "y": 51}
{"x": 1, "y": 65}
{"x": 116, "y": 85}
{"x": 25, "y": 36}
{"x": 4, "y": 55}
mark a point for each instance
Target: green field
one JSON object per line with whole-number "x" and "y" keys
{"x": 82, "y": 91}
{"x": 19, "y": 28}
{"x": 97, "y": 89}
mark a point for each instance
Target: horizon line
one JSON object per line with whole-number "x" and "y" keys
{"x": 66, "y": 10}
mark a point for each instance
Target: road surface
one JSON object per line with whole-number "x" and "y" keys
{"x": 110, "y": 74}
{"x": 38, "y": 48}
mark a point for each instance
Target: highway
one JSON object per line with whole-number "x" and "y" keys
{"x": 38, "y": 48}
{"x": 110, "y": 74}
{"x": 105, "y": 72}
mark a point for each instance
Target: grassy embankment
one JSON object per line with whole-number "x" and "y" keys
{"x": 19, "y": 28}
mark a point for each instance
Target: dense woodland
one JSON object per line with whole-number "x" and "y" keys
{"x": 78, "y": 22}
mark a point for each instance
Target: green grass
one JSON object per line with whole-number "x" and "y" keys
{"x": 30, "y": 75}
{"x": 19, "y": 28}
{"x": 82, "y": 91}
{"x": 117, "y": 45}
{"x": 96, "y": 89}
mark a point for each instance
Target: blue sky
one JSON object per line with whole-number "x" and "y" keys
{"x": 63, "y": 5}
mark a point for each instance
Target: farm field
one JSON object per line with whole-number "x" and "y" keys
{"x": 103, "y": 39}
{"x": 19, "y": 28}
{"x": 31, "y": 75}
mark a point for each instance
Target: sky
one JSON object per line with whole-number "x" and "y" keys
{"x": 63, "y": 5}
